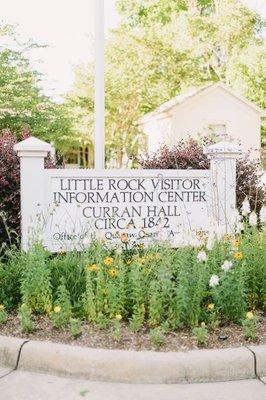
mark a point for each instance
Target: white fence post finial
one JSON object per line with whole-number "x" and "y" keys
{"x": 223, "y": 156}
{"x": 32, "y": 153}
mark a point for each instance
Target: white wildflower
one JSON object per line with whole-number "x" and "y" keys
{"x": 245, "y": 209}
{"x": 227, "y": 265}
{"x": 210, "y": 243}
{"x": 253, "y": 219}
{"x": 195, "y": 242}
{"x": 239, "y": 227}
{"x": 214, "y": 281}
{"x": 202, "y": 256}
{"x": 263, "y": 215}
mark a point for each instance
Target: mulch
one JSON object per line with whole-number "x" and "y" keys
{"x": 91, "y": 336}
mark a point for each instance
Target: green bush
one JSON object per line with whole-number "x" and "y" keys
{"x": 62, "y": 311}
{"x": 36, "y": 289}
{"x": 26, "y": 322}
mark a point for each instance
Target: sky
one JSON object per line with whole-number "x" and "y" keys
{"x": 67, "y": 27}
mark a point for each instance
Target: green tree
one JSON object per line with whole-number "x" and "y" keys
{"x": 22, "y": 103}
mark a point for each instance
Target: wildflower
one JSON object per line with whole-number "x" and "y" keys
{"x": 236, "y": 242}
{"x": 227, "y": 265}
{"x": 124, "y": 237}
{"x": 253, "y": 219}
{"x": 57, "y": 309}
{"x": 249, "y": 315}
{"x": 202, "y": 256}
{"x": 141, "y": 260}
{"x": 128, "y": 262}
{"x": 238, "y": 255}
{"x": 210, "y": 306}
{"x": 2, "y": 307}
{"x": 108, "y": 261}
{"x": 263, "y": 215}
{"x": 245, "y": 209}
{"x": 239, "y": 227}
{"x": 104, "y": 292}
{"x": 210, "y": 243}
{"x": 93, "y": 268}
{"x": 214, "y": 281}
{"x": 113, "y": 272}
{"x": 118, "y": 317}
{"x": 227, "y": 238}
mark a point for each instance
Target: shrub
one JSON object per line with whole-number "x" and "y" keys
{"x": 250, "y": 326}
{"x": 201, "y": 333}
{"x": 26, "y": 322}
{"x": 3, "y": 314}
{"x": 75, "y": 327}
{"x": 10, "y": 188}
{"x": 157, "y": 337}
{"x": 188, "y": 154}
{"x": 36, "y": 289}
{"x": 62, "y": 311}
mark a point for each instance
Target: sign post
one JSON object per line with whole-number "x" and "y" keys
{"x": 99, "y": 102}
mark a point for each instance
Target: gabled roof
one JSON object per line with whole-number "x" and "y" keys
{"x": 192, "y": 93}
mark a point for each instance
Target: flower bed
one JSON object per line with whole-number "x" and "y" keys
{"x": 207, "y": 283}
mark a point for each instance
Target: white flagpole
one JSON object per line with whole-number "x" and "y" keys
{"x": 99, "y": 99}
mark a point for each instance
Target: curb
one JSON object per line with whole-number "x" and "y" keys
{"x": 131, "y": 366}
{"x": 9, "y": 351}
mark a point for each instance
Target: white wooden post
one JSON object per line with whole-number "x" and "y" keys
{"x": 31, "y": 152}
{"x": 223, "y": 156}
{"x": 99, "y": 102}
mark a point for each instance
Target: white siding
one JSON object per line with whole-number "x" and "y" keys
{"x": 195, "y": 115}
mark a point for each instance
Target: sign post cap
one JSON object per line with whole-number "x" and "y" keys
{"x": 33, "y": 144}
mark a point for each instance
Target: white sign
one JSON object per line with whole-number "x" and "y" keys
{"x": 139, "y": 205}
{"x": 66, "y": 209}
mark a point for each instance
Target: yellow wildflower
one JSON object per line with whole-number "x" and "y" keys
{"x": 128, "y": 262}
{"x": 113, "y": 272}
{"x": 249, "y": 315}
{"x": 227, "y": 237}
{"x": 2, "y": 307}
{"x": 141, "y": 260}
{"x": 108, "y": 261}
{"x": 238, "y": 255}
{"x": 104, "y": 292}
{"x": 118, "y": 317}
{"x": 210, "y": 306}
{"x": 93, "y": 268}
{"x": 57, "y": 309}
{"x": 236, "y": 242}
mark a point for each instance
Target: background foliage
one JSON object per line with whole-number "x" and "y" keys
{"x": 189, "y": 154}
{"x": 161, "y": 48}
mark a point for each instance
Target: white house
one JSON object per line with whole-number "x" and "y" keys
{"x": 213, "y": 108}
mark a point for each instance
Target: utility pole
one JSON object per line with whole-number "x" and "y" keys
{"x": 99, "y": 98}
